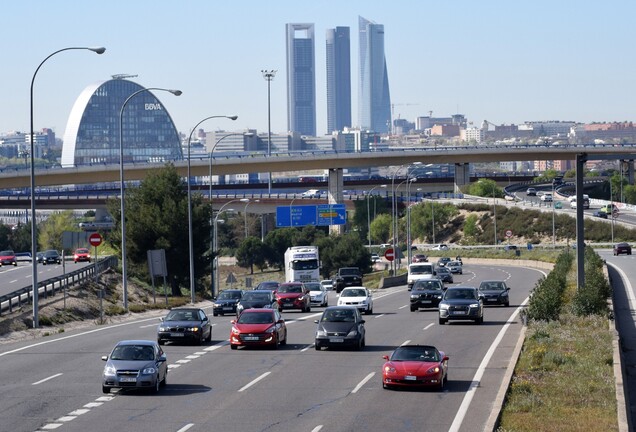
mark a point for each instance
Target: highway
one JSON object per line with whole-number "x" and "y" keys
{"x": 15, "y": 278}
{"x": 55, "y": 382}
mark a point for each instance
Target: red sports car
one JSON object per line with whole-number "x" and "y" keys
{"x": 415, "y": 366}
{"x": 258, "y": 327}
{"x": 81, "y": 254}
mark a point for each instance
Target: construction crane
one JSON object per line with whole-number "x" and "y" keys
{"x": 122, "y": 76}
{"x": 393, "y": 105}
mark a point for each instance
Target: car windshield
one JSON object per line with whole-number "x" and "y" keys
{"x": 443, "y": 270}
{"x": 82, "y": 251}
{"x": 182, "y": 315}
{"x": 256, "y": 318}
{"x": 354, "y": 293}
{"x": 290, "y": 289}
{"x": 421, "y": 269}
{"x": 268, "y": 285}
{"x": 427, "y": 354}
{"x": 493, "y": 286}
{"x": 339, "y": 315}
{"x": 349, "y": 272}
{"x": 314, "y": 286}
{"x": 230, "y": 295}
{"x": 305, "y": 264}
{"x": 7, "y": 252}
{"x": 133, "y": 352}
{"x": 433, "y": 285}
{"x": 252, "y": 296}
{"x": 460, "y": 294}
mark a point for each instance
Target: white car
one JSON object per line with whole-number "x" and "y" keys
{"x": 375, "y": 258}
{"x": 440, "y": 247}
{"x": 547, "y": 197}
{"x": 311, "y": 193}
{"x": 319, "y": 296}
{"x": 359, "y": 296}
{"x": 327, "y": 284}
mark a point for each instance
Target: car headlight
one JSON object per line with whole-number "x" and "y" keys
{"x": 217, "y": 305}
{"x": 109, "y": 370}
{"x": 193, "y": 329}
{"x": 443, "y": 306}
{"x": 433, "y": 370}
{"x": 439, "y": 296}
{"x": 389, "y": 369}
{"x": 272, "y": 329}
{"x": 504, "y": 294}
{"x": 149, "y": 371}
{"x": 415, "y": 297}
{"x": 235, "y": 331}
{"x": 321, "y": 333}
{"x": 353, "y": 333}
{"x": 163, "y": 329}
{"x": 474, "y": 305}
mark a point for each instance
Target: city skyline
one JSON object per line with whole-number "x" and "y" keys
{"x": 505, "y": 63}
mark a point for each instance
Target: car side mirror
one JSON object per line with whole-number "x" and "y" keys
{"x": 105, "y": 358}
{"x": 162, "y": 358}
{"x": 233, "y": 322}
{"x": 385, "y": 357}
{"x": 445, "y": 358}
{"x": 161, "y": 319}
{"x": 507, "y": 288}
{"x": 316, "y": 321}
{"x": 362, "y": 321}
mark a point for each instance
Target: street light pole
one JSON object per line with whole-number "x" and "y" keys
{"x": 269, "y": 76}
{"x": 408, "y": 217}
{"x": 245, "y": 215}
{"x": 190, "y": 241}
{"x": 369, "y": 212}
{"x": 34, "y": 238}
{"x": 124, "y": 263}
{"x": 553, "y": 230}
{"x": 216, "y": 268}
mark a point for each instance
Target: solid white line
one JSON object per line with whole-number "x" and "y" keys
{"x": 468, "y": 397}
{"x": 250, "y": 384}
{"x": 406, "y": 342}
{"x": 13, "y": 281}
{"x": 402, "y": 307}
{"x": 317, "y": 428}
{"x": 307, "y": 347}
{"x": 46, "y": 379}
{"x": 363, "y": 382}
{"x": 630, "y": 291}
{"x": 381, "y": 315}
{"x": 186, "y": 427}
{"x": 428, "y": 326}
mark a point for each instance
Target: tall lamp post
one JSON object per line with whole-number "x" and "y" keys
{"x": 269, "y": 76}
{"x": 553, "y": 230}
{"x": 369, "y": 212}
{"x": 216, "y": 218}
{"x": 408, "y": 217}
{"x": 190, "y": 241}
{"x": 34, "y": 238}
{"x": 124, "y": 262}
{"x": 245, "y": 214}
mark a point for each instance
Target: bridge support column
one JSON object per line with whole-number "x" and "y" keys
{"x": 462, "y": 176}
{"x": 627, "y": 170}
{"x": 335, "y": 188}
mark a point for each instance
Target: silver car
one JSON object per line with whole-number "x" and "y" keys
{"x": 135, "y": 364}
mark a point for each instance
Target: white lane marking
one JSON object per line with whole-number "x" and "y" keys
{"x": 200, "y": 353}
{"x": 148, "y": 325}
{"x": 217, "y": 346}
{"x": 192, "y": 357}
{"x": 183, "y": 361}
{"x": 402, "y": 307}
{"x": 250, "y": 384}
{"x": 307, "y": 347}
{"x": 46, "y": 379}
{"x": 186, "y": 427}
{"x": 468, "y": 397}
{"x": 381, "y": 315}
{"x": 630, "y": 291}
{"x": 406, "y": 342}
{"x": 66, "y": 418}
{"x": 105, "y": 398}
{"x": 317, "y": 428}
{"x": 51, "y": 426}
{"x": 93, "y": 404}
{"x": 363, "y": 382}
{"x": 428, "y": 326}
{"x": 13, "y": 281}
{"x": 173, "y": 366}
{"x": 78, "y": 412}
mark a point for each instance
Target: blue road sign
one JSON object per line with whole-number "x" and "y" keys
{"x": 320, "y": 215}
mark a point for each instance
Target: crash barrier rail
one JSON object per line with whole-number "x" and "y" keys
{"x": 53, "y": 285}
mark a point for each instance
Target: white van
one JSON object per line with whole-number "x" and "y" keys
{"x": 586, "y": 202}
{"x": 419, "y": 271}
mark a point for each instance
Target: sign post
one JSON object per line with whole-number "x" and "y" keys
{"x": 95, "y": 239}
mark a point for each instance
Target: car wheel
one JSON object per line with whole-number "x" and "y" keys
{"x": 440, "y": 387}
{"x": 209, "y": 339}
{"x": 160, "y": 342}
{"x": 157, "y": 385}
{"x": 386, "y": 386}
{"x": 105, "y": 389}
{"x": 413, "y": 309}
{"x": 164, "y": 382}
{"x": 308, "y": 308}
{"x": 215, "y": 313}
{"x": 233, "y": 346}
{"x": 318, "y": 347}
{"x": 284, "y": 341}
{"x": 442, "y": 321}
{"x": 506, "y": 304}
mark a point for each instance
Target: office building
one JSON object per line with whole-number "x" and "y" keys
{"x": 301, "y": 79}
{"x": 92, "y": 131}
{"x": 374, "y": 98}
{"x": 338, "y": 79}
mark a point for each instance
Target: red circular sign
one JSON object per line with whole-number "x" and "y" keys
{"x": 95, "y": 239}
{"x": 388, "y": 254}
{"x": 508, "y": 233}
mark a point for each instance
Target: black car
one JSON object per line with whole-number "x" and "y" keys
{"x": 226, "y": 302}
{"x": 185, "y": 324}
{"x": 51, "y": 257}
{"x": 268, "y": 285}
{"x": 494, "y": 292}
{"x": 340, "y": 326}
{"x": 600, "y": 213}
{"x": 426, "y": 293}
{"x": 257, "y": 299}
{"x": 443, "y": 261}
{"x": 461, "y": 303}
{"x": 444, "y": 274}
{"x": 347, "y": 276}
{"x": 622, "y": 248}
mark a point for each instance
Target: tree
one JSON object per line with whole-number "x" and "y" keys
{"x": 278, "y": 241}
{"x": 251, "y": 252}
{"x": 486, "y": 188}
{"x": 156, "y": 215}
{"x": 376, "y": 205}
{"x": 381, "y": 228}
{"x": 343, "y": 251}
{"x": 21, "y": 237}
{"x": 50, "y": 231}
{"x": 422, "y": 218}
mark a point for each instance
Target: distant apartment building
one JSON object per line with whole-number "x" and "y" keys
{"x": 301, "y": 79}
{"x": 427, "y": 122}
{"x": 623, "y": 131}
{"x": 403, "y": 126}
{"x": 374, "y": 98}
{"x": 550, "y": 128}
{"x": 472, "y": 134}
{"x": 338, "y": 79}
{"x": 447, "y": 130}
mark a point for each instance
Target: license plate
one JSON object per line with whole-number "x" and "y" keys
{"x": 227, "y": 308}
{"x": 176, "y": 334}
{"x": 491, "y": 299}
{"x": 128, "y": 379}
{"x": 288, "y": 305}
{"x": 410, "y": 378}
{"x": 425, "y": 301}
{"x": 336, "y": 340}
{"x": 250, "y": 338}
{"x": 459, "y": 312}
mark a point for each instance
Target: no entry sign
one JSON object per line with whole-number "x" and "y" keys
{"x": 95, "y": 239}
{"x": 388, "y": 254}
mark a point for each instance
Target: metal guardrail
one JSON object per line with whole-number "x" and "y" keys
{"x": 54, "y": 285}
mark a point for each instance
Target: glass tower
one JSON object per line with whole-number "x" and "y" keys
{"x": 92, "y": 130}
{"x": 338, "y": 79}
{"x": 374, "y": 98}
{"x": 301, "y": 79}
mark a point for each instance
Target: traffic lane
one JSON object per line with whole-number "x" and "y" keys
{"x": 15, "y": 278}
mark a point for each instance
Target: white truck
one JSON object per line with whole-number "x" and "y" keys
{"x": 302, "y": 264}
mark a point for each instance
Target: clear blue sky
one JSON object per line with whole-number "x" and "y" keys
{"x": 504, "y": 61}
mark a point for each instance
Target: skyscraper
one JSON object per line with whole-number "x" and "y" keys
{"x": 338, "y": 79}
{"x": 374, "y": 98}
{"x": 301, "y": 79}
